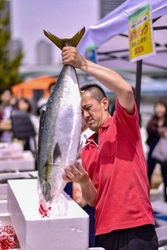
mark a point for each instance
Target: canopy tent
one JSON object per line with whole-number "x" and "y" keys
{"x": 116, "y": 22}
{"x": 119, "y": 56}
{"x": 115, "y": 25}
{"x": 27, "y": 88}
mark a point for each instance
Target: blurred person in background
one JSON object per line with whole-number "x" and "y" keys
{"x": 6, "y": 107}
{"x": 25, "y": 105}
{"x": 157, "y": 128}
{"x": 43, "y": 100}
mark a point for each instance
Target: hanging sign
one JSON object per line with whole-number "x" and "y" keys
{"x": 141, "y": 43}
{"x": 90, "y": 53}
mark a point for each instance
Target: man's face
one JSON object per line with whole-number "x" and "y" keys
{"x": 92, "y": 111}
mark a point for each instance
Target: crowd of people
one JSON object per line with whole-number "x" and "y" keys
{"x": 113, "y": 174}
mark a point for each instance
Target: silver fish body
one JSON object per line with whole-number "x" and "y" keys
{"x": 59, "y": 134}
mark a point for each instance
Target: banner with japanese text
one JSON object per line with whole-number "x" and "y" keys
{"x": 141, "y": 44}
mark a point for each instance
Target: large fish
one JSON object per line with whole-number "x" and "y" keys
{"x": 60, "y": 130}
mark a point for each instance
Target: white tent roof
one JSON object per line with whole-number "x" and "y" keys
{"x": 116, "y": 22}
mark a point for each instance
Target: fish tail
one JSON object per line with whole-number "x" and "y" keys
{"x": 60, "y": 43}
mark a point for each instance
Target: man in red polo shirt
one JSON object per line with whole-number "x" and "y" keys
{"x": 113, "y": 173}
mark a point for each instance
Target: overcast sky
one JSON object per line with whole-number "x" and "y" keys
{"x": 61, "y": 17}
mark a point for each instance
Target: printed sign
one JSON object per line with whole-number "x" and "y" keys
{"x": 141, "y": 43}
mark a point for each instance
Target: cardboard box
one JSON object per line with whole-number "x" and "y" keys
{"x": 59, "y": 233}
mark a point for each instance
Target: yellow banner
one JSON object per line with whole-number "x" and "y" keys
{"x": 141, "y": 43}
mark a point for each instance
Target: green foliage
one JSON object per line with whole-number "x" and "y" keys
{"x": 9, "y": 67}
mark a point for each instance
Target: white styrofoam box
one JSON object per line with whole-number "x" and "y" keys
{"x": 4, "y": 177}
{"x": 3, "y": 207}
{"x": 59, "y": 233}
{"x": 3, "y": 191}
{"x": 16, "y": 175}
{"x": 27, "y": 162}
{"x": 96, "y": 248}
{"x": 11, "y": 150}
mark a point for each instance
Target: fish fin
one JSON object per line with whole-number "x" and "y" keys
{"x": 57, "y": 152}
{"x": 60, "y": 43}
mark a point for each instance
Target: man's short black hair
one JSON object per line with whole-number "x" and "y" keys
{"x": 95, "y": 90}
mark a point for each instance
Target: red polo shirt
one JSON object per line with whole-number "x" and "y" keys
{"x": 118, "y": 170}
